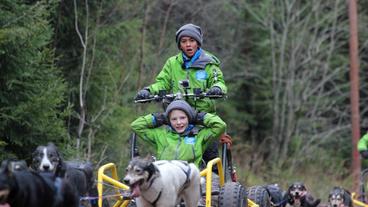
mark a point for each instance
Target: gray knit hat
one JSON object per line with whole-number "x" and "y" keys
{"x": 183, "y": 106}
{"x": 189, "y": 30}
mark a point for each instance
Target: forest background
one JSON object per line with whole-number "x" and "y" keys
{"x": 69, "y": 71}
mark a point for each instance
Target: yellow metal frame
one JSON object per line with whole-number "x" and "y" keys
{"x": 208, "y": 174}
{"x": 357, "y": 202}
{"x": 114, "y": 180}
{"x": 251, "y": 203}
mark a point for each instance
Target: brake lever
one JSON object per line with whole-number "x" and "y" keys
{"x": 215, "y": 96}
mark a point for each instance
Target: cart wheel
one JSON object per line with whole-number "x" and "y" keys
{"x": 232, "y": 195}
{"x": 259, "y": 195}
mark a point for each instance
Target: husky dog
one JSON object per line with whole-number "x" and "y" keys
{"x": 339, "y": 197}
{"x": 298, "y": 196}
{"x": 163, "y": 183}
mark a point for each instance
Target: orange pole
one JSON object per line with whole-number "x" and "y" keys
{"x": 354, "y": 91}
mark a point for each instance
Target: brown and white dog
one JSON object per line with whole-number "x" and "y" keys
{"x": 339, "y": 197}
{"x": 298, "y": 196}
{"x": 163, "y": 183}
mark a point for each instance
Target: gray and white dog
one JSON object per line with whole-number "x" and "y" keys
{"x": 339, "y": 197}
{"x": 163, "y": 183}
{"x": 298, "y": 196}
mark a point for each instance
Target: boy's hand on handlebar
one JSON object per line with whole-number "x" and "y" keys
{"x": 215, "y": 90}
{"x": 143, "y": 94}
{"x": 364, "y": 154}
{"x": 160, "y": 119}
{"x": 225, "y": 138}
{"x": 199, "y": 118}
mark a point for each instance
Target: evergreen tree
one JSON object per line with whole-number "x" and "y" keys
{"x": 31, "y": 88}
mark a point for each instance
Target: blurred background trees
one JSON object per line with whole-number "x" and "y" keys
{"x": 70, "y": 70}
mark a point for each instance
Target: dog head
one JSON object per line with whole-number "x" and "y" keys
{"x": 138, "y": 174}
{"x": 339, "y": 197}
{"x": 46, "y": 159}
{"x": 297, "y": 190}
{"x": 298, "y": 196}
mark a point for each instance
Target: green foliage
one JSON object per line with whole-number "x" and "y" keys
{"x": 32, "y": 90}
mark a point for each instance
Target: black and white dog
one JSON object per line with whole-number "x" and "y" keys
{"x": 298, "y": 196}
{"x": 47, "y": 159}
{"x": 80, "y": 174}
{"x": 339, "y": 197}
{"x": 163, "y": 183}
{"x": 20, "y": 187}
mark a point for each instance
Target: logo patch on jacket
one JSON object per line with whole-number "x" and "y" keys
{"x": 201, "y": 75}
{"x": 190, "y": 140}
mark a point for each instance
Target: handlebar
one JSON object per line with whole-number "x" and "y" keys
{"x": 178, "y": 96}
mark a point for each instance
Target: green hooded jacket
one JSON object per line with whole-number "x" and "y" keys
{"x": 172, "y": 146}
{"x": 363, "y": 143}
{"x": 204, "y": 74}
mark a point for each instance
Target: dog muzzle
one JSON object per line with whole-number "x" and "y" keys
{"x": 135, "y": 190}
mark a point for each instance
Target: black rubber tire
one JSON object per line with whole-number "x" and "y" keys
{"x": 259, "y": 195}
{"x": 232, "y": 195}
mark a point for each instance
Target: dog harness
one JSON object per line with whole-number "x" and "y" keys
{"x": 159, "y": 194}
{"x": 155, "y": 201}
{"x": 186, "y": 172}
{"x": 187, "y": 179}
{"x": 152, "y": 177}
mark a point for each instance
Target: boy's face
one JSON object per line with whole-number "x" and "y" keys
{"x": 189, "y": 46}
{"x": 178, "y": 120}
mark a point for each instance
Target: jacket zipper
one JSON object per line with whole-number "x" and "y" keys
{"x": 177, "y": 148}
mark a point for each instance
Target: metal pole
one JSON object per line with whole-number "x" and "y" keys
{"x": 354, "y": 91}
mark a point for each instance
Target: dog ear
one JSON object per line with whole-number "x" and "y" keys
{"x": 52, "y": 145}
{"x": 35, "y": 152}
{"x": 151, "y": 169}
{"x": 35, "y": 159}
{"x": 150, "y": 158}
{"x": 303, "y": 186}
{"x": 61, "y": 169}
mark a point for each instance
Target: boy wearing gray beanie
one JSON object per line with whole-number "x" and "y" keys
{"x": 189, "y": 30}
{"x": 195, "y": 65}
{"x": 187, "y": 143}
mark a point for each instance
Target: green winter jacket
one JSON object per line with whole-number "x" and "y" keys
{"x": 204, "y": 73}
{"x": 363, "y": 143}
{"x": 172, "y": 146}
